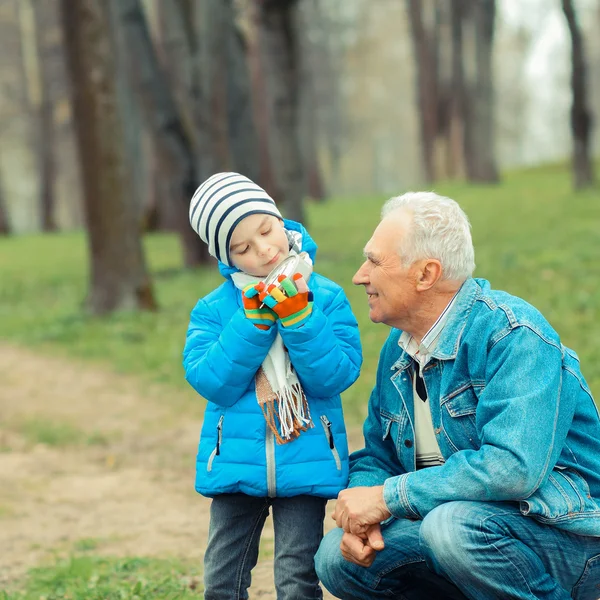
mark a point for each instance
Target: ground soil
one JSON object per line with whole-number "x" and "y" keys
{"x": 122, "y": 486}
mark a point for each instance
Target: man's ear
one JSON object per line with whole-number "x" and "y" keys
{"x": 429, "y": 274}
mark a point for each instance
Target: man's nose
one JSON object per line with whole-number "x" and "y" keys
{"x": 360, "y": 277}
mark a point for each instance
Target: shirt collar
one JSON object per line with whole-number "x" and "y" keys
{"x": 422, "y": 352}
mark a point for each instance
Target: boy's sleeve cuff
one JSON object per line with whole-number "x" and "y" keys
{"x": 395, "y": 496}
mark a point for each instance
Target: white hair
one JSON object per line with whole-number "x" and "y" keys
{"x": 440, "y": 229}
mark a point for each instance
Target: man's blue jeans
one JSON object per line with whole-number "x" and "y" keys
{"x": 236, "y": 522}
{"x": 468, "y": 549}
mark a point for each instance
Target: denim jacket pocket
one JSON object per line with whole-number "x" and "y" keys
{"x": 392, "y": 427}
{"x": 458, "y": 418}
{"x": 564, "y": 495}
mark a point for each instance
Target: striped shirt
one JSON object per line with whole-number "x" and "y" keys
{"x": 426, "y": 445}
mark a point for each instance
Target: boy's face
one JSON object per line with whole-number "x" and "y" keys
{"x": 258, "y": 244}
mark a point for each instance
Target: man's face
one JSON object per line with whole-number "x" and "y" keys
{"x": 258, "y": 244}
{"x": 390, "y": 286}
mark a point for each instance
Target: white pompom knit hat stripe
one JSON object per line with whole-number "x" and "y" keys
{"x": 220, "y": 203}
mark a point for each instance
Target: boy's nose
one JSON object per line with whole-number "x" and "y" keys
{"x": 263, "y": 248}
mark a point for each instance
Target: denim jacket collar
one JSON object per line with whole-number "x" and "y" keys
{"x": 447, "y": 345}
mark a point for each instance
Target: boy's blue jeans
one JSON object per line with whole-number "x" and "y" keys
{"x": 236, "y": 522}
{"x": 488, "y": 549}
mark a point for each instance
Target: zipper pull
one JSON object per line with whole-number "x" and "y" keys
{"x": 327, "y": 423}
{"x": 219, "y": 434}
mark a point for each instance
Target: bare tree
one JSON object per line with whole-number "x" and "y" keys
{"x": 261, "y": 108}
{"x": 182, "y": 146}
{"x": 119, "y": 278}
{"x": 452, "y": 44}
{"x": 480, "y": 138}
{"x": 4, "y": 221}
{"x": 277, "y": 23}
{"x": 37, "y": 48}
{"x": 581, "y": 118}
{"x": 424, "y": 48}
{"x": 241, "y": 130}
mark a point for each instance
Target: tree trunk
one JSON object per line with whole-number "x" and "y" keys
{"x": 581, "y": 118}
{"x": 174, "y": 134}
{"x": 4, "y": 220}
{"x": 133, "y": 126}
{"x": 456, "y": 131}
{"x": 36, "y": 50}
{"x": 480, "y": 139}
{"x": 424, "y": 47}
{"x": 280, "y": 48}
{"x": 261, "y": 111}
{"x": 119, "y": 279}
{"x": 242, "y": 136}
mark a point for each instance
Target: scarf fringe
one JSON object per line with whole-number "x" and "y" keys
{"x": 287, "y": 415}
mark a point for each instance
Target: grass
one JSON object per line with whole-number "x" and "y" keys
{"x": 533, "y": 237}
{"x": 54, "y": 433}
{"x": 93, "y": 578}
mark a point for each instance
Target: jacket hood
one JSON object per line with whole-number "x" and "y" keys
{"x": 308, "y": 245}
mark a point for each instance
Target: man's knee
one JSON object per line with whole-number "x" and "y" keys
{"x": 448, "y": 532}
{"x": 329, "y": 562}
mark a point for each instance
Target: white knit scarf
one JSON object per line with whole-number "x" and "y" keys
{"x": 291, "y": 404}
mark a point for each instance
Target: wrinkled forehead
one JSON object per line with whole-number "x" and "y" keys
{"x": 389, "y": 235}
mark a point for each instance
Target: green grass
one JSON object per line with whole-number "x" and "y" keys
{"x": 95, "y": 578}
{"x": 533, "y": 237}
{"x": 58, "y": 434}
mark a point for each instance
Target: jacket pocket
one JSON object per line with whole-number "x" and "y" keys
{"x": 217, "y": 449}
{"x": 458, "y": 418}
{"x": 331, "y": 441}
{"x": 564, "y": 495}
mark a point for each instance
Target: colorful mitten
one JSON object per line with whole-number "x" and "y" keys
{"x": 262, "y": 316}
{"x": 292, "y": 301}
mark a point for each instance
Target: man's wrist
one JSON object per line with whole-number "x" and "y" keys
{"x": 384, "y": 503}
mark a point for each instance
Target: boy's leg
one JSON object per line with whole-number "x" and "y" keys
{"x": 398, "y": 571}
{"x": 298, "y": 526}
{"x": 492, "y": 551}
{"x": 236, "y": 522}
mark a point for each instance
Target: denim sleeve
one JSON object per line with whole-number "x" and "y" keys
{"x": 522, "y": 423}
{"x": 326, "y": 351}
{"x": 220, "y": 361}
{"x": 377, "y": 461}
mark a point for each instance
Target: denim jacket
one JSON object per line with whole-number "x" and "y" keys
{"x": 512, "y": 414}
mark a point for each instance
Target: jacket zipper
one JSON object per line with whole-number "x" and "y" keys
{"x": 270, "y": 455}
{"x": 329, "y": 435}
{"x": 217, "y": 449}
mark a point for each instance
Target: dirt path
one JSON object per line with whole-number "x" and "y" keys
{"x": 120, "y": 479}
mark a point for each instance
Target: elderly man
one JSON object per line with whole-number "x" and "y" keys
{"x": 480, "y": 475}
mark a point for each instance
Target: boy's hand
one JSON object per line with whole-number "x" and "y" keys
{"x": 292, "y": 301}
{"x": 262, "y": 316}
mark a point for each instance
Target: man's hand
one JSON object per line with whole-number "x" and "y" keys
{"x": 358, "y": 508}
{"x": 362, "y": 551}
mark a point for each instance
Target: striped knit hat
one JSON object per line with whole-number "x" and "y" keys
{"x": 220, "y": 203}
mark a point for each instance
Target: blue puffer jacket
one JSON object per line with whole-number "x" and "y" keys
{"x": 223, "y": 351}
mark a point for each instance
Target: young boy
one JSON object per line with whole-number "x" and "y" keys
{"x": 272, "y": 362}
